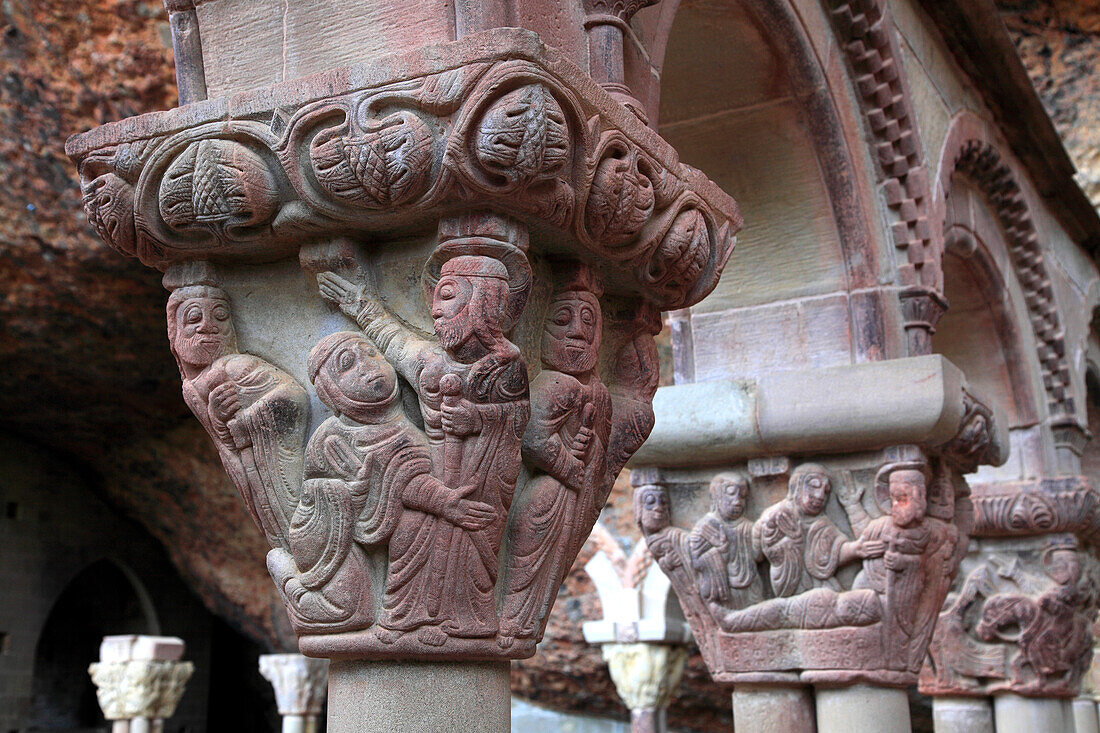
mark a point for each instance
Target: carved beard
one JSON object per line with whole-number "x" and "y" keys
{"x": 202, "y": 349}
{"x": 569, "y": 356}
{"x": 454, "y": 332}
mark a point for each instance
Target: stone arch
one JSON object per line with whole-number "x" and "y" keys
{"x": 745, "y": 98}
{"x": 103, "y": 598}
{"x": 970, "y": 155}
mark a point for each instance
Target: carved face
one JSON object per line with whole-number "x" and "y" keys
{"x": 362, "y": 374}
{"x": 571, "y": 335}
{"x": 651, "y": 509}
{"x": 812, "y": 493}
{"x": 730, "y": 495}
{"x": 907, "y": 497}
{"x": 1063, "y": 566}
{"x": 454, "y": 323}
{"x": 204, "y": 331}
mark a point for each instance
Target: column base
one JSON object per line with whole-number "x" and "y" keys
{"x": 862, "y": 707}
{"x": 962, "y": 715}
{"x": 1016, "y": 714}
{"x": 773, "y": 709}
{"x": 433, "y": 697}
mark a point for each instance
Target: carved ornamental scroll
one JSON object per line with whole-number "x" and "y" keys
{"x": 827, "y": 571}
{"x": 413, "y": 304}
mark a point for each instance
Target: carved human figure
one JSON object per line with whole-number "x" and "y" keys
{"x": 566, "y": 442}
{"x": 367, "y": 477}
{"x": 635, "y": 376}
{"x": 802, "y": 545}
{"x": 473, "y": 395}
{"x": 908, "y": 564}
{"x": 667, "y": 543}
{"x": 723, "y": 554}
{"x": 1051, "y": 632}
{"x": 255, "y": 413}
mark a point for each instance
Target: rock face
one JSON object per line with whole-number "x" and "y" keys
{"x": 1059, "y": 42}
{"x": 89, "y": 376}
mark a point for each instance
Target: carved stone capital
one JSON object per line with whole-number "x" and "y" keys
{"x": 140, "y": 677}
{"x": 646, "y": 675}
{"x": 831, "y": 572}
{"x": 413, "y": 304}
{"x": 300, "y": 683}
{"x": 1018, "y": 621}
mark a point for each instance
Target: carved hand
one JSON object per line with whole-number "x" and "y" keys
{"x": 339, "y": 292}
{"x": 461, "y": 419}
{"x": 470, "y": 515}
{"x": 848, "y": 492}
{"x": 870, "y": 548}
{"x": 581, "y": 441}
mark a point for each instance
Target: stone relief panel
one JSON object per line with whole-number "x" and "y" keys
{"x": 827, "y": 572}
{"x": 1020, "y": 621}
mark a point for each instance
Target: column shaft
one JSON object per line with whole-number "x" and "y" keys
{"x": 1084, "y": 717}
{"x": 1016, "y": 714}
{"x": 432, "y": 697}
{"x": 862, "y": 708}
{"x": 771, "y": 709}
{"x": 648, "y": 720}
{"x": 962, "y": 715}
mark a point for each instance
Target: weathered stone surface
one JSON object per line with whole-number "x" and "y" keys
{"x": 1059, "y": 43}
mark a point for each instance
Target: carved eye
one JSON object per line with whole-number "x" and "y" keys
{"x": 345, "y": 361}
{"x": 193, "y": 314}
{"x": 588, "y": 316}
{"x": 562, "y": 317}
{"x": 221, "y": 312}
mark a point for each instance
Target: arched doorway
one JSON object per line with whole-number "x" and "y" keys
{"x": 103, "y": 599}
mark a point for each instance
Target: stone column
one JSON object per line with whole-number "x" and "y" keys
{"x": 962, "y": 714}
{"x": 1017, "y": 714}
{"x": 824, "y": 568}
{"x": 646, "y": 676}
{"x": 139, "y": 681}
{"x": 413, "y": 302}
{"x": 300, "y": 684}
{"x": 643, "y": 633}
{"x": 1084, "y": 716}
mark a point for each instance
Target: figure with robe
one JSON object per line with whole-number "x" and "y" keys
{"x": 473, "y": 396}
{"x": 255, "y": 413}
{"x": 914, "y": 555}
{"x": 802, "y": 545}
{"x": 723, "y": 554}
{"x": 566, "y": 442}
{"x": 367, "y": 472}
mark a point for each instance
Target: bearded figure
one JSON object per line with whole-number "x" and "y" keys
{"x": 566, "y": 441}
{"x": 473, "y": 397}
{"x": 255, "y": 413}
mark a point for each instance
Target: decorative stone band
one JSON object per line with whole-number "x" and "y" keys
{"x": 826, "y": 546}
{"x": 495, "y": 119}
{"x": 1042, "y": 506}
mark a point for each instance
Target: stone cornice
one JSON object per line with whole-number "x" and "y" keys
{"x": 1037, "y": 507}
{"x": 386, "y": 148}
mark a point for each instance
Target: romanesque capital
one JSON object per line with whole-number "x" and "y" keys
{"x": 1019, "y": 620}
{"x": 646, "y": 675}
{"x": 823, "y": 566}
{"x": 300, "y": 683}
{"x": 413, "y": 304}
{"x": 140, "y": 677}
